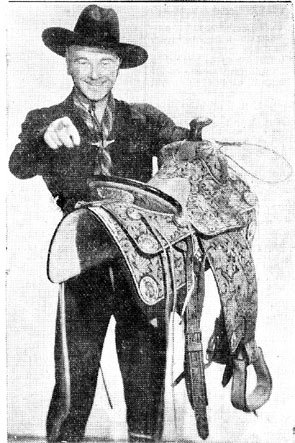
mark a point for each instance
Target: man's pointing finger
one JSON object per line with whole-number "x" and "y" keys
{"x": 66, "y": 122}
{"x": 71, "y": 131}
{"x": 74, "y": 134}
{"x": 66, "y": 138}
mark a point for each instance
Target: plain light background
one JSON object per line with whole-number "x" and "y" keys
{"x": 233, "y": 62}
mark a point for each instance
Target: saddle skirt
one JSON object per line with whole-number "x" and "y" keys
{"x": 93, "y": 235}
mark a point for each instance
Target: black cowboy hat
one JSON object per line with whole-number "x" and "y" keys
{"x": 96, "y": 27}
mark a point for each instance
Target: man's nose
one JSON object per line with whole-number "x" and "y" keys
{"x": 95, "y": 71}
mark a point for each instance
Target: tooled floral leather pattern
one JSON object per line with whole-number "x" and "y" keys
{"x": 144, "y": 265}
{"x": 231, "y": 262}
{"x": 219, "y": 200}
{"x": 137, "y": 228}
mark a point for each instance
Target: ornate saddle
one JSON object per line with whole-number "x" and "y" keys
{"x": 194, "y": 213}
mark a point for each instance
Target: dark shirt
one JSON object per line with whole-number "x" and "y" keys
{"x": 139, "y": 131}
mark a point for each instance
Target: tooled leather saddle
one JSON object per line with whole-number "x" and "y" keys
{"x": 194, "y": 213}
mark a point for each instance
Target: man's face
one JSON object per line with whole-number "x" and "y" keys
{"x": 94, "y": 71}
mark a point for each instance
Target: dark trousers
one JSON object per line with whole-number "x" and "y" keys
{"x": 90, "y": 300}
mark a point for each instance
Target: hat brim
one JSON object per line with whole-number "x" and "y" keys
{"x": 58, "y": 39}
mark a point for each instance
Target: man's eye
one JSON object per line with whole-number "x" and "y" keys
{"x": 82, "y": 62}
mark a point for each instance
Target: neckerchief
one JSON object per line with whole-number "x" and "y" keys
{"x": 100, "y": 130}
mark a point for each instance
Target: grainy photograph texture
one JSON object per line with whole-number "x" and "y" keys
{"x": 150, "y": 222}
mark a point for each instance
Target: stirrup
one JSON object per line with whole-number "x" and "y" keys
{"x": 261, "y": 393}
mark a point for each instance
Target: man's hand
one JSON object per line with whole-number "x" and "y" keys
{"x": 62, "y": 132}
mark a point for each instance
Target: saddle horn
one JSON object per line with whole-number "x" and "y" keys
{"x": 196, "y": 127}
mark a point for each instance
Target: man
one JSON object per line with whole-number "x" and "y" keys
{"x": 91, "y": 133}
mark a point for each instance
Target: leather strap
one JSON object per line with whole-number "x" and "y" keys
{"x": 170, "y": 304}
{"x": 194, "y": 360}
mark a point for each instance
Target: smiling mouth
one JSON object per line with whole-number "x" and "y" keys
{"x": 96, "y": 85}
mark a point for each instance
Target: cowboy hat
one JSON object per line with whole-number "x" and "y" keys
{"x": 96, "y": 27}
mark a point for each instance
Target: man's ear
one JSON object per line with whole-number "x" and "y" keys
{"x": 68, "y": 66}
{"x": 68, "y": 62}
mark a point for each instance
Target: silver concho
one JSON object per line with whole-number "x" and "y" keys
{"x": 133, "y": 213}
{"x": 234, "y": 341}
{"x": 148, "y": 244}
{"x": 149, "y": 290}
{"x": 181, "y": 220}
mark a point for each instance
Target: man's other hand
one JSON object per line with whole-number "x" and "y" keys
{"x": 62, "y": 132}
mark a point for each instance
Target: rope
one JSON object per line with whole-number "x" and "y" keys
{"x": 275, "y": 153}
